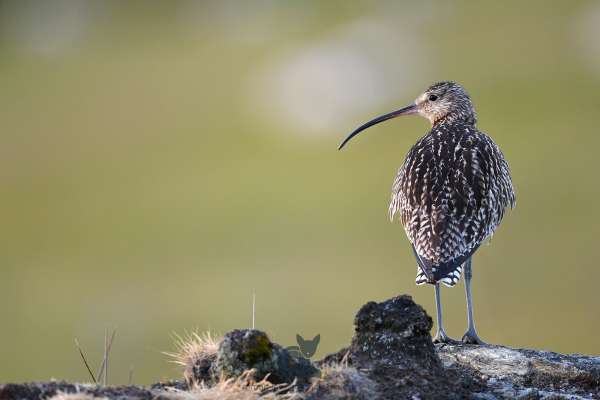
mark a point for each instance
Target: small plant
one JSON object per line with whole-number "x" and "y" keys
{"x": 195, "y": 352}
{"x": 102, "y": 376}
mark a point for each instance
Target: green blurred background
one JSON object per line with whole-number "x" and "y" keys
{"x": 162, "y": 161}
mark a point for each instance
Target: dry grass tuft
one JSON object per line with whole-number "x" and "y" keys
{"x": 75, "y": 396}
{"x": 193, "y": 346}
{"x": 340, "y": 380}
{"x": 241, "y": 388}
{"x": 195, "y": 351}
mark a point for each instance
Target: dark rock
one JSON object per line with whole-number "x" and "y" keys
{"x": 241, "y": 350}
{"x": 342, "y": 382}
{"x": 394, "y": 333}
{"x": 45, "y": 390}
{"x": 334, "y": 358}
{"x": 170, "y": 385}
{"x": 200, "y": 370}
{"x": 34, "y": 390}
{"x": 392, "y": 346}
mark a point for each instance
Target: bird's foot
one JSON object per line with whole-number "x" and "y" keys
{"x": 441, "y": 337}
{"x": 470, "y": 337}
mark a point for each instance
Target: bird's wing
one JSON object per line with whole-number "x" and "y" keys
{"x": 418, "y": 192}
{"x": 482, "y": 178}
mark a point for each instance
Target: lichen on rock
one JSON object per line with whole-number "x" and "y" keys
{"x": 242, "y": 350}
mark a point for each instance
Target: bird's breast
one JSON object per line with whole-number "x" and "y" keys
{"x": 448, "y": 192}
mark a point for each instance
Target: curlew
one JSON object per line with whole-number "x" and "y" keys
{"x": 450, "y": 193}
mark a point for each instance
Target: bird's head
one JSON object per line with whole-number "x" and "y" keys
{"x": 445, "y": 100}
{"x": 442, "y": 101}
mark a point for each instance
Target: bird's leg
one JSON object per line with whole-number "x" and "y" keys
{"x": 440, "y": 336}
{"x": 471, "y": 335}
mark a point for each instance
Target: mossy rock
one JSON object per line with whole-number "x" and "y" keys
{"x": 245, "y": 349}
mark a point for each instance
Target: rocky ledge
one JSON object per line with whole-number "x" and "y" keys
{"x": 391, "y": 356}
{"x": 526, "y": 374}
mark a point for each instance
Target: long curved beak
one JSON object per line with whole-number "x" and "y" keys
{"x": 412, "y": 109}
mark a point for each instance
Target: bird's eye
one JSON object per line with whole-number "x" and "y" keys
{"x": 432, "y": 97}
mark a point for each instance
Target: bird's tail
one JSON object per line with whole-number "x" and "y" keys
{"x": 446, "y": 272}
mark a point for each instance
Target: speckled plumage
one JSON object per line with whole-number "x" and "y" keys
{"x": 451, "y": 192}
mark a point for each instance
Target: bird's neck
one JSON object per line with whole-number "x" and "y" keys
{"x": 459, "y": 117}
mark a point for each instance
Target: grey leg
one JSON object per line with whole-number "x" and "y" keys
{"x": 471, "y": 335}
{"x": 440, "y": 336}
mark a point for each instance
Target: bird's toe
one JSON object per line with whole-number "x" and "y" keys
{"x": 444, "y": 339}
{"x": 472, "y": 338}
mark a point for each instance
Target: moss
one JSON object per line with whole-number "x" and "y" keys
{"x": 261, "y": 350}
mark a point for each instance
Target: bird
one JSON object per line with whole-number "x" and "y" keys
{"x": 450, "y": 193}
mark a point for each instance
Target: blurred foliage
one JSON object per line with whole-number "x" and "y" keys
{"x": 144, "y": 187}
